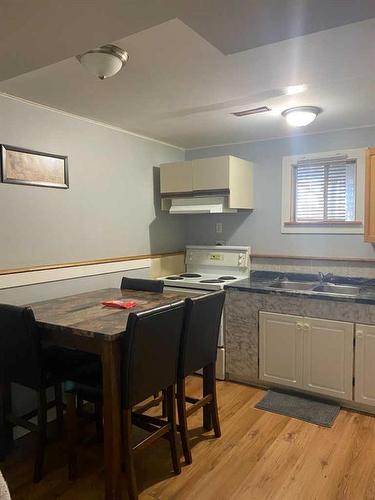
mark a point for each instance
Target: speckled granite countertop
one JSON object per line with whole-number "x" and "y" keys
{"x": 260, "y": 281}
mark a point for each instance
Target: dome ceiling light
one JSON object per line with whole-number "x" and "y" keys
{"x": 301, "y": 115}
{"x": 104, "y": 61}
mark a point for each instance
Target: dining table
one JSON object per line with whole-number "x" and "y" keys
{"x": 83, "y": 322}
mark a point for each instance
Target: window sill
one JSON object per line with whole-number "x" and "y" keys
{"x": 355, "y": 227}
{"x": 324, "y": 224}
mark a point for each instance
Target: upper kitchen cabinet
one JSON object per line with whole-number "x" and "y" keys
{"x": 208, "y": 185}
{"x": 176, "y": 177}
{"x": 212, "y": 174}
{"x": 370, "y": 197}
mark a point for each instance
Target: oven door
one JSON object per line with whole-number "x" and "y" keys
{"x": 220, "y": 362}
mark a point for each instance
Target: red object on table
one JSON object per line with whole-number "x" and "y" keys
{"x": 120, "y": 304}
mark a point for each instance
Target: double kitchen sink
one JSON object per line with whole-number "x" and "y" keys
{"x": 320, "y": 287}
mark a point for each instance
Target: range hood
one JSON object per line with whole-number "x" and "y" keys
{"x": 200, "y": 205}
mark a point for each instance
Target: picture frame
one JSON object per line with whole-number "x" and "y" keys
{"x": 34, "y": 168}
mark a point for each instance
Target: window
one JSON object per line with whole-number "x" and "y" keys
{"x": 324, "y": 193}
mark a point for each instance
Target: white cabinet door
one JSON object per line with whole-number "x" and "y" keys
{"x": 211, "y": 174}
{"x": 328, "y": 357}
{"x": 364, "y": 391}
{"x": 280, "y": 348}
{"x": 176, "y": 177}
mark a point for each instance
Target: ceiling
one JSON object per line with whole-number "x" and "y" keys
{"x": 192, "y": 64}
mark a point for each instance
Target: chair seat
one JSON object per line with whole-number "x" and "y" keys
{"x": 88, "y": 392}
{"x": 60, "y": 364}
{"x": 86, "y": 380}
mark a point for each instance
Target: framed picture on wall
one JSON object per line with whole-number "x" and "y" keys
{"x": 24, "y": 166}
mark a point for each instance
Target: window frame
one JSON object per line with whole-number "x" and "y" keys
{"x": 289, "y": 225}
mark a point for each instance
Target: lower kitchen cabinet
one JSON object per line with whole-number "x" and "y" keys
{"x": 365, "y": 364}
{"x": 328, "y": 357}
{"x": 280, "y": 348}
{"x": 307, "y": 353}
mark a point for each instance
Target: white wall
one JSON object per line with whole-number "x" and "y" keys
{"x": 261, "y": 229}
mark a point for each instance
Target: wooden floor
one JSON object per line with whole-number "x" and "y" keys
{"x": 260, "y": 456}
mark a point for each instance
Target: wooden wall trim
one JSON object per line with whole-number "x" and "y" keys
{"x": 309, "y": 257}
{"x": 48, "y": 267}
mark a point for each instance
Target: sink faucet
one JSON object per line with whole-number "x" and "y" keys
{"x": 324, "y": 277}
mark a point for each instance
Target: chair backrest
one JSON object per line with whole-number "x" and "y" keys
{"x": 201, "y": 332}
{"x": 151, "y": 346}
{"x": 20, "y": 349}
{"x": 142, "y": 284}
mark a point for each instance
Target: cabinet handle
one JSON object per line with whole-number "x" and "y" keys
{"x": 306, "y": 327}
{"x": 359, "y": 335}
{"x": 299, "y": 326}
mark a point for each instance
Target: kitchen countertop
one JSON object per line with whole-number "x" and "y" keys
{"x": 260, "y": 281}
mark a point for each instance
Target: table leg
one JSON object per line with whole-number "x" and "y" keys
{"x": 6, "y": 429}
{"x": 112, "y": 420}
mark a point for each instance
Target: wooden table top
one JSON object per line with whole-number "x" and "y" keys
{"x": 84, "y": 315}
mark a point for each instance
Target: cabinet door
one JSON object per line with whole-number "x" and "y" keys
{"x": 370, "y": 196}
{"x": 211, "y": 174}
{"x": 364, "y": 388}
{"x": 280, "y": 348}
{"x": 176, "y": 177}
{"x": 328, "y": 357}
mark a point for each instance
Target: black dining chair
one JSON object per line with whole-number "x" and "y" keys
{"x": 24, "y": 361}
{"x": 150, "y": 351}
{"x": 199, "y": 350}
{"x": 145, "y": 285}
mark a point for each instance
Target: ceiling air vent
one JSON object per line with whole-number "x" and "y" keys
{"x": 253, "y": 111}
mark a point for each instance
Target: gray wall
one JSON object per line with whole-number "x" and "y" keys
{"x": 111, "y": 208}
{"x": 261, "y": 228}
{"x": 44, "y": 291}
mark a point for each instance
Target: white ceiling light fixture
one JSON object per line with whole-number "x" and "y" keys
{"x": 104, "y": 61}
{"x": 301, "y": 115}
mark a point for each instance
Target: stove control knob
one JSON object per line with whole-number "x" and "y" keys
{"x": 241, "y": 260}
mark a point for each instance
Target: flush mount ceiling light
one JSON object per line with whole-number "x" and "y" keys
{"x": 104, "y": 61}
{"x": 301, "y": 116}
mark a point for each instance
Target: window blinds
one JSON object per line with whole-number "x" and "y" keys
{"x": 324, "y": 190}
